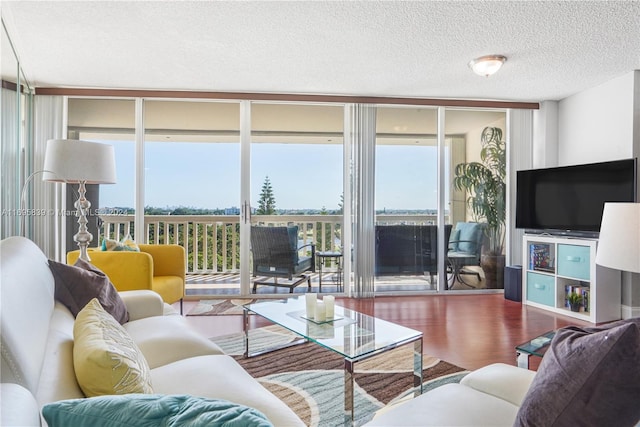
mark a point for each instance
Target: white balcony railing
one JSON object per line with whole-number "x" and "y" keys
{"x": 212, "y": 242}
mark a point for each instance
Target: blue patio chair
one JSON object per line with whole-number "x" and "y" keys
{"x": 465, "y": 249}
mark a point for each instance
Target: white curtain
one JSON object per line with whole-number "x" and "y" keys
{"x": 46, "y": 228}
{"x": 519, "y": 157}
{"x": 362, "y": 140}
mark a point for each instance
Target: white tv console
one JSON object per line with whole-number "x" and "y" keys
{"x": 555, "y": 266}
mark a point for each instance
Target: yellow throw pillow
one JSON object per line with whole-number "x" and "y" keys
{"x": 105, "y": 358}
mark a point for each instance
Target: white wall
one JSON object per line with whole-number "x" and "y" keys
{"x": 544, "y": 152}
{"x": 600, "y": 124}
{"x": 597, "y": 124}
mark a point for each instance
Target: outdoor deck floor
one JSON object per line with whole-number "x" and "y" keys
{"x": 229, "y": 284}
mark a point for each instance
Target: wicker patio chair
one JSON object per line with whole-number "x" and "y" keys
{"x": 408, "y": 250}
{"x": 276, "y": 254}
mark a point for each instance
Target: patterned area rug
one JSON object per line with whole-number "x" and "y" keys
{"x": 309, "y": 379}
{"x": 221, "y": 307}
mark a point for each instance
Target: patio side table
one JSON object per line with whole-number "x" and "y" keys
{"x": 323, "y": 257}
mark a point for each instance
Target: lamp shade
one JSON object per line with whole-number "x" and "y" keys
{"x": 74, "y": 161}
{"x": 619, "y": 244}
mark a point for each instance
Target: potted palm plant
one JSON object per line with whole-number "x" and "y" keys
{"x": 485, "y": 184}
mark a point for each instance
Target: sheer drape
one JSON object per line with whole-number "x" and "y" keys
{"x": 519, "y": 157}
{"x": 46, "y": 228}
{"x": 362, "y": 143}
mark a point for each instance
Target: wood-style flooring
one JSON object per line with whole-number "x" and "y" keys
{"x": 470, "y": 331}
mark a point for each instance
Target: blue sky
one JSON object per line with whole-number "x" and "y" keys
{"x": 303, "y": 176}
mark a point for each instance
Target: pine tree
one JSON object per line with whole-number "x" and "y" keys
{"x": 267, "y": 202}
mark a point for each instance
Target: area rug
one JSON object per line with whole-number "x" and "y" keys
{"x": 221, "y": 307}
{"x": 310, "y": 379}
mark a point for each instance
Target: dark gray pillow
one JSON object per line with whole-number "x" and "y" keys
{"x": 76, "y": 285}
{"x": 588, "y": 377}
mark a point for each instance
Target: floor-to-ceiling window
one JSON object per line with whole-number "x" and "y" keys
{"x": 192, "y": 195}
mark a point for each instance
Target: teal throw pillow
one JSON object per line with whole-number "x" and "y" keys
{"x": 470, "y": 235}
{"x": 126, "y": 244}
{"x": 453, "y": 240}
{"x": 151, "y": 410}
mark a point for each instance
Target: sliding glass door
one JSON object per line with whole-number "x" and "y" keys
{"x": 192, "y": 182}
{"x": 408, "y": 185}
{"x": 476, "y": 182}
{"x": 406, "y": 194}
{"x": 297, "y": 181}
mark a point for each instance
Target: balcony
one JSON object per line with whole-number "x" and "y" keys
{"x": 212, "y": 246}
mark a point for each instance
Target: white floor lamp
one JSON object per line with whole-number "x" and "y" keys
{"x": 80, "y": 162}
{"x": 619, "y": 242}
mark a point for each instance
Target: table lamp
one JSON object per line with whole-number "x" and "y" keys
{"x": 80, "y": 162}
{"x": 619, "y": 243}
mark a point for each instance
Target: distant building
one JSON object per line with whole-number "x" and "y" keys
{"x": 232, "y": 211}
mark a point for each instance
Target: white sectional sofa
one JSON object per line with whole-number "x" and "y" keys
{"x": 588, "y": 376}
{"x": 489, "y": 396}
{"x": 37, "y": 347}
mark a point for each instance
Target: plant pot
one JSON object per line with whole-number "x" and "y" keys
{"x": 493, "y": 267}
{"x": 575, "y": 307}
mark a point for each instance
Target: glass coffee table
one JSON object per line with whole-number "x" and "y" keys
{"x": 353, "y": 335}
{"x": 535, "y": 347}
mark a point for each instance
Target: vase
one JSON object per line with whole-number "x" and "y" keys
{"x": 493, "y": 267}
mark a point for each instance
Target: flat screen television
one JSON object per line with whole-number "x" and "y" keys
{"x": 570, "y": 199}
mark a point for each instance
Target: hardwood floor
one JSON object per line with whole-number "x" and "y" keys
{"x": 470, "y": 331}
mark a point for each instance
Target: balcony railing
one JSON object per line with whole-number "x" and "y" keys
{"x": 212, "y": 242}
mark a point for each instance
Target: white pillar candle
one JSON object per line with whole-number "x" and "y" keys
{"x": 329, "y": 305}
{"x": 321, "y": 314}
{"x": 311, "y": 299}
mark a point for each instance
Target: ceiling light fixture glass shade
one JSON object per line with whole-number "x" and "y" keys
{"x": 487, "y": 65}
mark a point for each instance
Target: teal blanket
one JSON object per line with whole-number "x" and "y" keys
{"x": 151, "y": 410}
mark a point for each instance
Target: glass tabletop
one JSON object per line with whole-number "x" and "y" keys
{"x": 329, "y": 254}
{"x": 537, "y": 346}
{"x": 352, "y": 334}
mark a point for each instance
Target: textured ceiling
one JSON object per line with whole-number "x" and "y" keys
{"x": 372, "y": 48}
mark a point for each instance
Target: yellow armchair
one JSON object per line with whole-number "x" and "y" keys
{"x": 160, "y": 268}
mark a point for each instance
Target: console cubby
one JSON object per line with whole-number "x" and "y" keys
{"x": 554, "y": 267}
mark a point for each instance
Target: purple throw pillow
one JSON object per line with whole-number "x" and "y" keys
{"x": 588, "y": 377}
{"x": 76, "y": 285}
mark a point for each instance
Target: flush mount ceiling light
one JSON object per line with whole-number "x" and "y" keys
{"x": 487, "y": 65}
